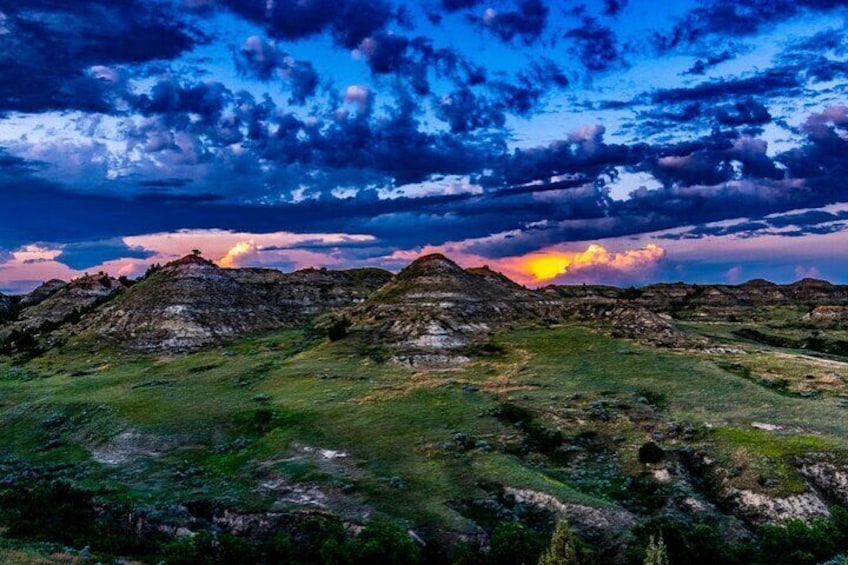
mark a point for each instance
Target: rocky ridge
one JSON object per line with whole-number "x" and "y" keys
{"x": 750, "y": 301}
{"x": 187, "y": 304}
{"x": 52, "y": 306}
{"x": 432, "y": 312}
{"x": 193, "y": 303}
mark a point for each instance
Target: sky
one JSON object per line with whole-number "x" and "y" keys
{"x": 618, "y": 142}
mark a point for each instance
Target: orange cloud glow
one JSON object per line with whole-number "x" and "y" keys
{"x": 551, "y": 264}
{"x": 236, "y": 253}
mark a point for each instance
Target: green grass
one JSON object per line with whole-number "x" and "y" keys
{"x": 228, "y": 418}
{"x": 768, "y": 455}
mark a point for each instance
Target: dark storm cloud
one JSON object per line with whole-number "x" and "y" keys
{"x": 525, "y": 94}
{"x": 260, "y": 59}
{"x": 736, "y": 102}
{"x": 596, "y": 45}
{"x": 357, "y": 19}
{"x": 701, "y": 203}
{"x": 815, "y": 230}
{"x": 454, "y": 5}
{"x": 701, "y": 66}
{"x": 827, "y": 40}
{"x": 385, "y": 53}
{"x": 778, "y": 81}
{"x": 414, "y": 60}
{"x": 736, "y": 18}
{"x": 743, "y": 230}
{"x": 84, "y": 255}
{"x": 11, "y": 165}
{"x": 822, "y": 155}
{"x": 70, "y": 217}
{"x": 527, "y": 22}
{"x": 50, "y": 49}
{"x": 810, "y": 218}
{"x": 560, "y": 188}
{"x": 465, "y": 112}
{"x": 813, "y": 222}
{"x": 584, "y": 153}
{"x": 165, "y": 183}
{"x": 613, "y": 7}
{"x": 711, "y": 161}
{"x": 265, "y": 61}
{"x": 391, "y": 148}
{"x": 744, "y": 112}
{"x": 203, "y": 155}
{"x": 170, "y": 98}
{"x": 666, "y": 208}
{"x": 349, "y": 21}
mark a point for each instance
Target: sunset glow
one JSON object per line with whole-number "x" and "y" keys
{"x": 548, "y": 267}
{"x": 608, "y": 141}
{"x": 564, "y": 266}
{"x": 230, "y": 260}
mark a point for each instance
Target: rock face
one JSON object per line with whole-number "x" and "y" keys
{"x": 7, "y": 307}
{"x": 42, "y": 293}
{"x": 434, "y": 310}
{"x": 748, "y": 301}
{"x": 831, "y": 316}
{"x": 53, "y": 305}
{"x": 185, "y": 305}
{"x": 759, "y": 509}
{"x": 829, "y": 478}
{"x": 629, "y": 321}
{"x": 308, "y": 292}
{"x": 192, "y": 303}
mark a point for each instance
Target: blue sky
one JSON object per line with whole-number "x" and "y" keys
{"x": 616, "y": 141}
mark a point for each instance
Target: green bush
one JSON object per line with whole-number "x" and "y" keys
{"x": 312, "y": 534}
{"x": 514, "y": 544}
{"x": 384, "y": 542}
{"x": 52, "y": 511}
{"x": 799, "y": 543}
{"x": 180, "y": 551}
{"x": 696, "y": 544}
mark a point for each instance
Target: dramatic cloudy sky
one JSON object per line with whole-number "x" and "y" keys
{"x": 618, "y": 141}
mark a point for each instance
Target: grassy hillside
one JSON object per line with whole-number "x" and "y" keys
{"x": 288, "y": 422}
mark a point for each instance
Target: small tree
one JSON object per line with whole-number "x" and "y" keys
{"x": 333, "y": 325}
{"x": 513, "y": 544}
{"x": 563, "y": 548}
{"x": 196, "y": 252}
{"x": 656, "y": 553}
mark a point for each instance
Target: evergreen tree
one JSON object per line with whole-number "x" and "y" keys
{"x": 656, "y": 552}
{"x": 563, "y": 548}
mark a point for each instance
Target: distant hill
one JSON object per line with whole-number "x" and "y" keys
{"x": 431, "y": 312}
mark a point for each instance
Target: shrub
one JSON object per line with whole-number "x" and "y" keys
{"x": 319, "y": 539}
{"x": 695, "y": 544}
{"x": 563, "y": 548}
{"x": 799, "y": 543}
{"x": 53, "y": 511}
{"x": 384, "y": 542}
{"x": 651, "y": 453}
{"x": 514, "y": 544}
